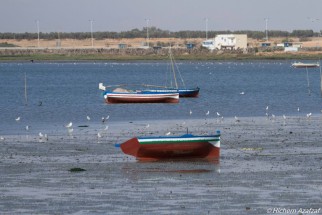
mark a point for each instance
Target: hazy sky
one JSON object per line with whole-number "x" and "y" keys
{"x": 174, "y": 15}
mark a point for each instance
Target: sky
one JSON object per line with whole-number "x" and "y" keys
{"x": 20, "y": 16}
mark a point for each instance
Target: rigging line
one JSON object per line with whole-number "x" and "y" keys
{"x": 172, "y": 67}
{"x": 184, "y": 85}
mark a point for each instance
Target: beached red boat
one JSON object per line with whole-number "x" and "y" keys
{"x": 172, "y": 147}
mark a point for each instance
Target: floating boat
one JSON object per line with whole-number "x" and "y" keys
{"x": 120, "y": 95}
{"x": 305, "y": 65}
{"x": 183, "y": 92}
{"x": 173, "y": 147}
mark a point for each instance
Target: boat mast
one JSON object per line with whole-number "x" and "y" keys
{"x": 172, "y": 67}
{"x": 320, "y": 77}
{"x": 26, "y": 98}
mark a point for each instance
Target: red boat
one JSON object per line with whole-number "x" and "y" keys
{"x": 167, "y": 147}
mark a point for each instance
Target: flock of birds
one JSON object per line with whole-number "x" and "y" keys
{"x": 70, "y": 129}
{"x": 68, "y": 126}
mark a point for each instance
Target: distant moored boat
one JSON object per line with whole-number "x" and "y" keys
{"x": 305, "y": 65}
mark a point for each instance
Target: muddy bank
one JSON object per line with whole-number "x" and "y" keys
{"x": 266, "y": 164}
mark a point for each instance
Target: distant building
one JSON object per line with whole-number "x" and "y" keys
{"x": 227, "y": 41}
{"x": 266, "y": 44}
{"x": 122, "y": 46}
{"x": 209, "y": 44}
{"x": 190, "y": 45}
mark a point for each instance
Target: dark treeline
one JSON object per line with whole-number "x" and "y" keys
{"x": 153, "y": 33}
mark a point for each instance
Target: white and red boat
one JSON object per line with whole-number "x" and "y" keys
{"x": 120, "y": 95}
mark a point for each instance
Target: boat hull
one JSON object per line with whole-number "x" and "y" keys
{"x": 187, "y": 146}
{"x": 183, "y": 92}
{"x": 141, "y": 98}
{"x": 305, "y": 65}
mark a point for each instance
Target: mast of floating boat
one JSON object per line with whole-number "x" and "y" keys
{"x": 172, "y": 67}
{"x": 320, "y": 77}
{"x": 26, "y": 98}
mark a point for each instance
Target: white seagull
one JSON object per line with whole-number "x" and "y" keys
{"x": 88, "y": 118}
{"x": 190, "y": 112}
{"x": 207, "y": 113}
{"x": 99, "y": 135}
{"x": 168, "y": 133}
{"x": 18, "y": 119}
{"x": 69, "y": 125}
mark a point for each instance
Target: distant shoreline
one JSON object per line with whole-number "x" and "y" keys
{"x": 137, "y": 54}
{"x": 134, "y": 50}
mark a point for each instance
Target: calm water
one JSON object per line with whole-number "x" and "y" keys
{"x": 69, "y": 91}
{"x": 35, "y": 176}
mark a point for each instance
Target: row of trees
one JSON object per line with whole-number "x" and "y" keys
{"x": 154, "y": 33}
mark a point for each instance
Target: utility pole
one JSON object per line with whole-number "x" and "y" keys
{"x": 266, "y": 21}
{"x": 37, "y": 22}
{"x": 91, "y": 21}
{"x": 147, "y": 32}
{"x": 206, "y": 19}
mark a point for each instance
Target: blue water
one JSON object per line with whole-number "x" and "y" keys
{"x": 69, "y": 91}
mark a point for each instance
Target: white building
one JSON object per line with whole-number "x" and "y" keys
{"x": 227, "y": 41}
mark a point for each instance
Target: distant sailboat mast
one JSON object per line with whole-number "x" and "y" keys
{"x": 26, "y": 98}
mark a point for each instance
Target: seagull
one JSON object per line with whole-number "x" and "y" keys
{"x": 2, "y": 138}
{"x": 207, "y": 113}
{"x": 27, "y": 127}
{"x": 18, "y": 119}
{"x": 298, "y": 109}
{"x": 69, "y": 125}
{"x": 190, "y": 112}
{"x": 99, "y": 135}
{"x": 218, "y": 114}
{"x": 168, "y": 133}
{"x": 105, "y": 118}
{"x": 236, "y": 119}
{"x": 41, "y": 135}
{"x": 242, "y": 93}
{"x": 284, "y": 117}
{"x": 266, "y": 108}
{"x": 147, "y": 125}
{"x": 88, "y": 118}
{"x": 106, "y": 128}
{"x": 308, "y": 115}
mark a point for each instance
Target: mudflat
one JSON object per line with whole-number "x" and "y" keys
{"x": 267, "y": 166}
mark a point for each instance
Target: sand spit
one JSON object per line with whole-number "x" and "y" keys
{"x": 266, "y": 164}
